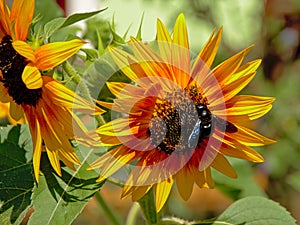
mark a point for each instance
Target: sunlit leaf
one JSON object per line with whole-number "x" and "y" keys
{"x": 59, "y": 23}
{"x": 255, "y": 211}
{"x": 59, "y": 200}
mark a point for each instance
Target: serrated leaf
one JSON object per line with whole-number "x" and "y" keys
{"x": 59, "y": 200}
{"x": 16, "y": 178}
{"x": 59, "y": 23}
{"x": 255, "y": 211}
{"x": 51, "y": 27}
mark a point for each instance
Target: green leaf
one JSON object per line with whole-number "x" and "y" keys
{"x": 244, "y": 185}
{"x": 59, "y": 200}
{"x": 139, "y": 33}
{"x": 16, "y": 177}
{"x": 255, "y": 211}
{"x": 92, "y": 54}
{"x": 80, "y": 16}
{"x": 51, "y": 27}
{"x": 59, "y": 23}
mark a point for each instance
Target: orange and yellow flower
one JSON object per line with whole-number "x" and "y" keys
{"x": 183, "y": 117}
{"x": 46, "y": 104}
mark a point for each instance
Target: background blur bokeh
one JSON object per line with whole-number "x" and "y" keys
{"x": 273, "y": 26}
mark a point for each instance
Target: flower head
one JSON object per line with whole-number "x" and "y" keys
{"x": 46, "y": 104}
{"x": 183, "y": 117}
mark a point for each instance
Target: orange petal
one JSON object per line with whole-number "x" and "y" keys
{"x": 16, "y": 111}
{"x": 162, "y": 192}
{"x": 184, "y": 182}
{"x": 221, "y": 164}
{"x": 24, "y": 50}
{"x": 4, "y": 97}
{"x": 22, "y": 12}
{"x": 151, "y": 64}
{"x": 51, "y": 55}
{"x": 240, "y": 151}
{"x": 224, "y": 71}
{"x": 207, "y": 55}
{"x": 31, "y": 77}
{"x": 5, "y": 22}
{"x": 203, "y": 178}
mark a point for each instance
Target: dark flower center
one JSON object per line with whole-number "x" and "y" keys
{"x": 180, "y": 121}
{"x": 12, "y": 65}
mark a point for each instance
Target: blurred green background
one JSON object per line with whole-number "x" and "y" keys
{"x": 273, "y": 26}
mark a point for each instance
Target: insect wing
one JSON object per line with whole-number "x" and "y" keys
{"x": 195, "y": 135}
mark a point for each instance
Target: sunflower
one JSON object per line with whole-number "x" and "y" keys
{"x": 46, "y": 104}
{"x": 182, "y": 119}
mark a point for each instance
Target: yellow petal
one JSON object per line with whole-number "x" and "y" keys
{"x": 221, "y": 164}
{"x": 180, "y": 36}
{"x": 162, "y": 192}
{"x": 184, "y": 182}
{"x": 249, "y": 137}
{"x": 240, "y": 151}
{"x": 139, "y": 192}
{"x": 151, "y": 64}
{"x": 121, "y": 126}
{"x": 22, "y": 12}
{"x": 61, "y": 95}
{"x": 164, "y": 41}
{"x": 51, "y": 55}
{"x": 236, "y": 86}
{"x": 16, "y": 111}
{"x": 112, "y": 162}
{"x": 121, "y": 59}
{"x": 251, "y": 106}
{"x": 4, "y": 109}
{"x": 36, "y": 139}
{"x": 53, "y": 158}
{"x": 247, "y": 68}
{"x": 31, "y": 77}
{"x": 24, "y": 50}
{"x": 181, "y": 52}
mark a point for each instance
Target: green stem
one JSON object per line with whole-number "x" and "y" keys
{"x": 76, "y": 77}
{"x": 133, "y": 213}
{"x": 147, "y": 205}
{"x": 111, "y": 216}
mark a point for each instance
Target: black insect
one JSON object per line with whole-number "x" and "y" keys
{"x": 205, "y": 125}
